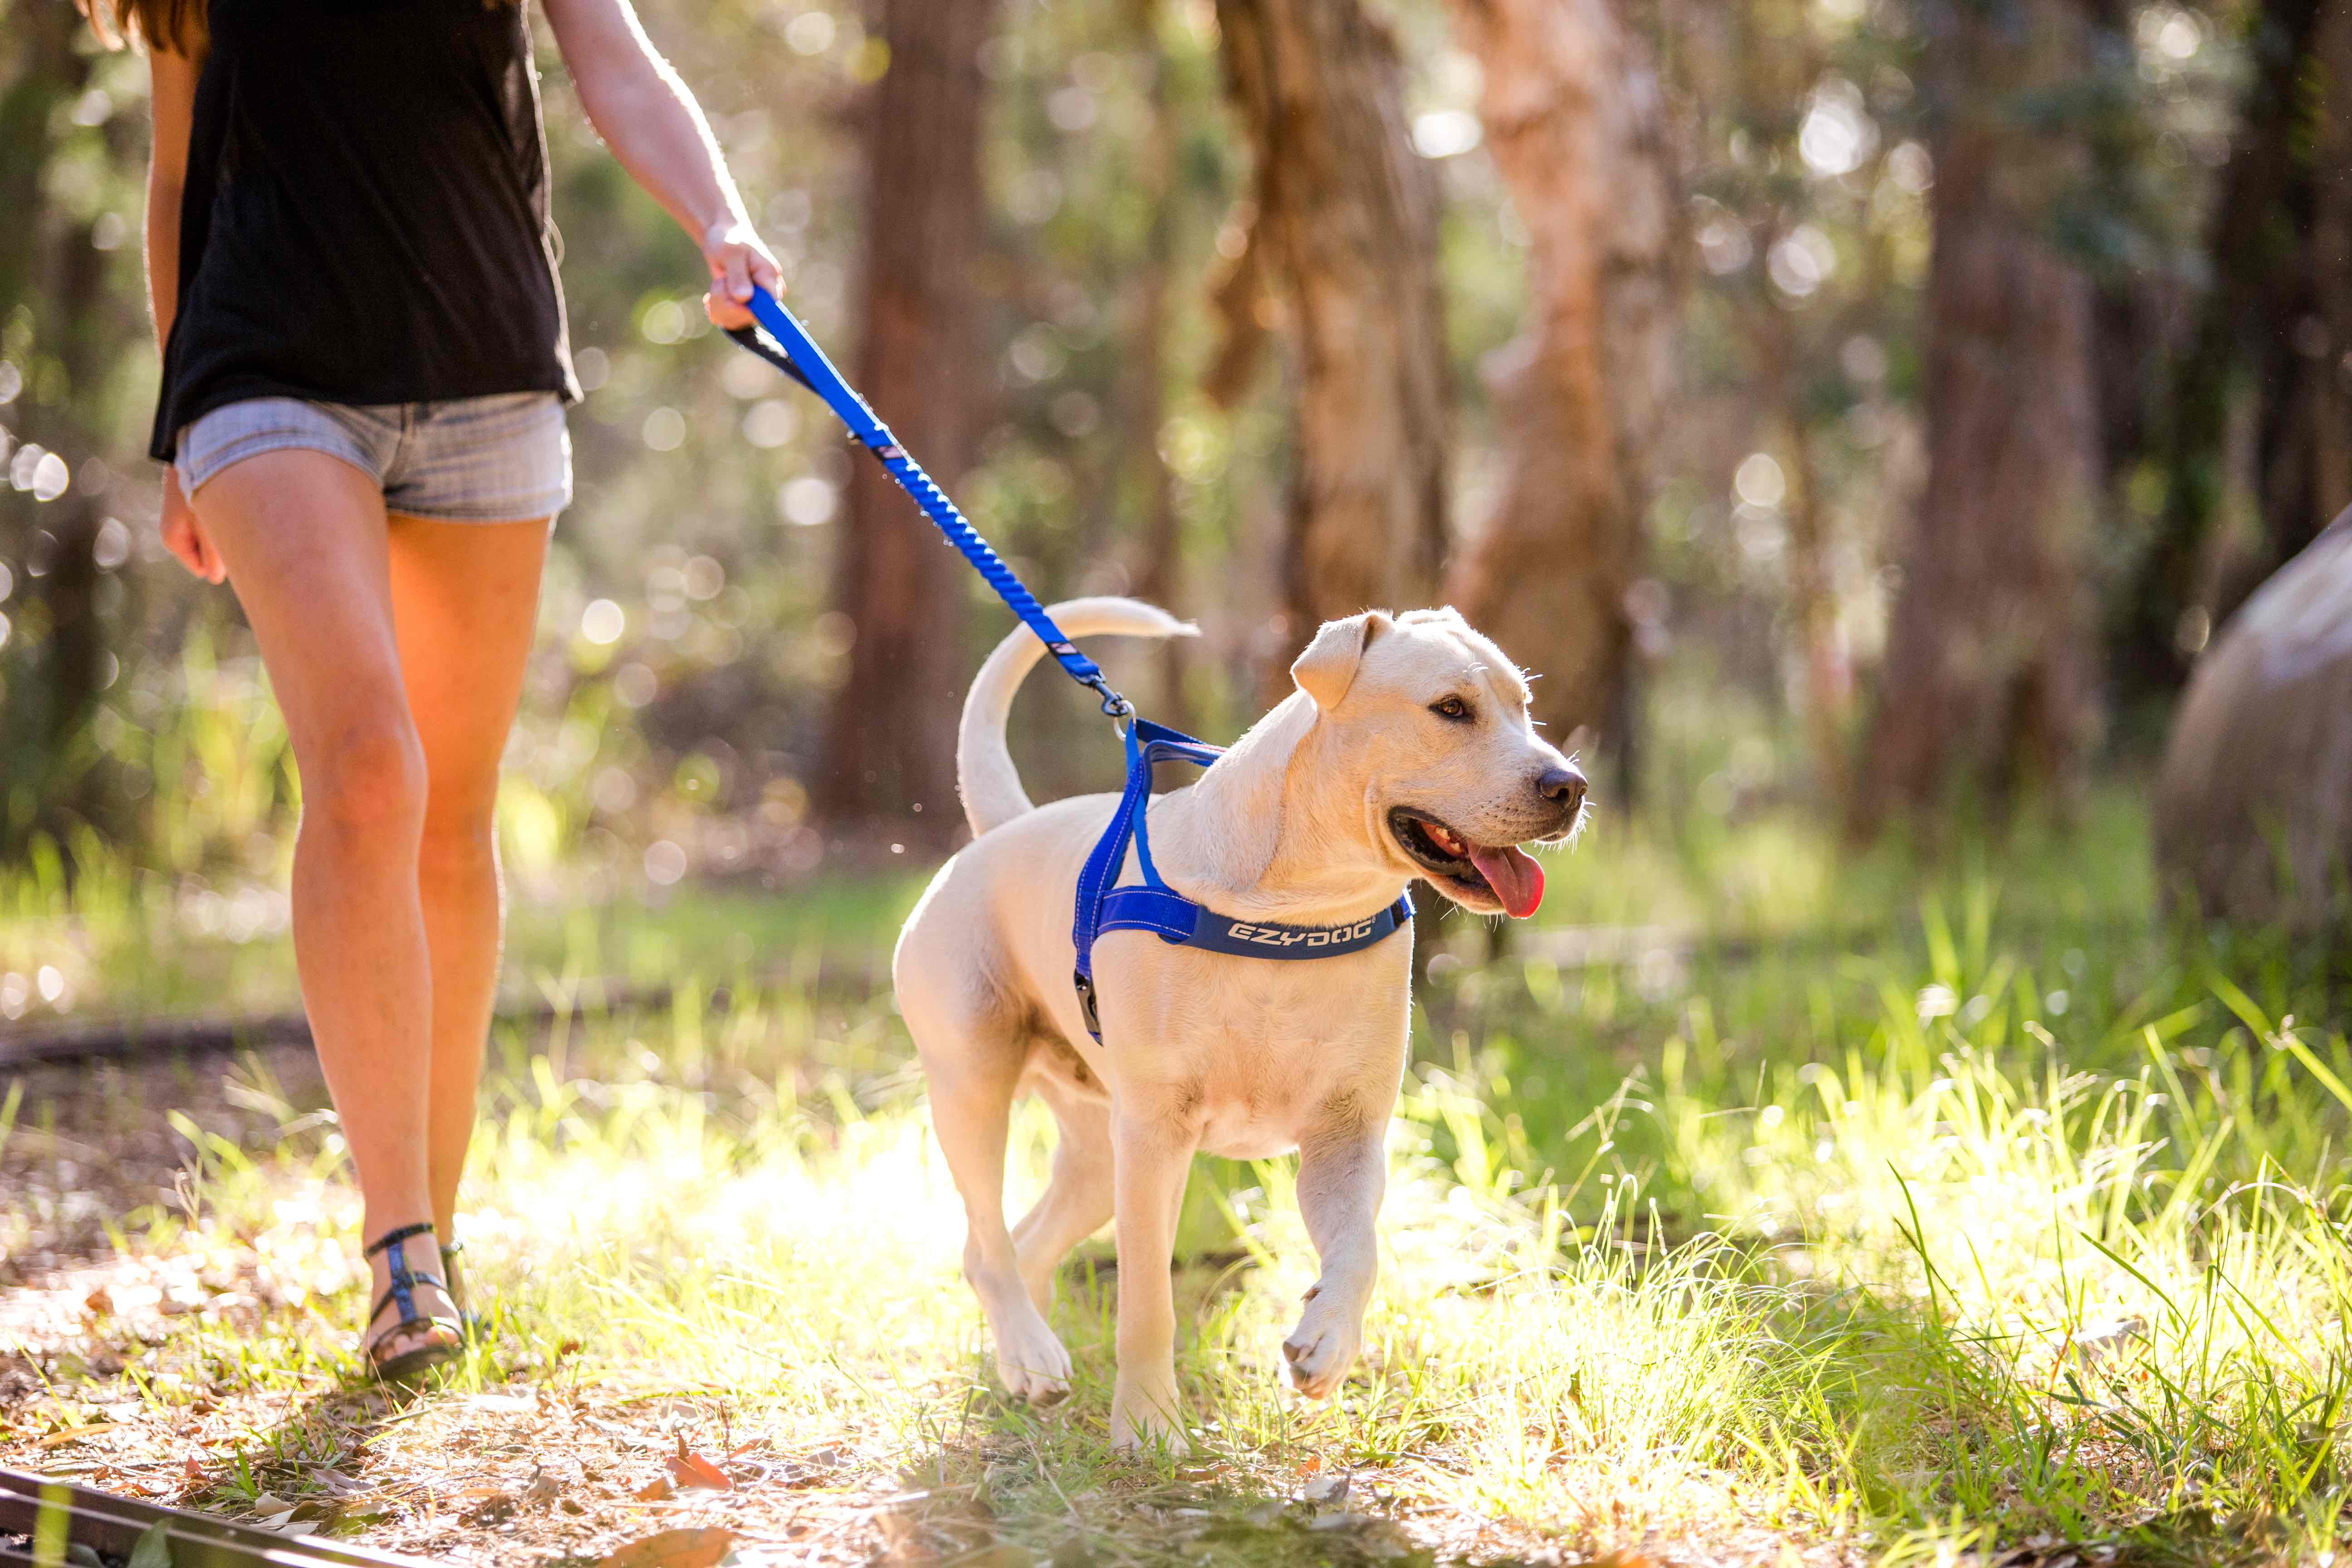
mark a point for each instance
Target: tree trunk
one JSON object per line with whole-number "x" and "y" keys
{"x": 1574, "y": 115}
{"x": 1987, "y": 679}
{"x": 890, "y": 735}
{"x": 1347, "y": 222}
{"x": 1159, "y": 572}
{"x": 51, "y": 273}
{"x": 2253, "y": 244}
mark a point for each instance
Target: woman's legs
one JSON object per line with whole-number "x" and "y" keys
{"x": 465, "y": 601}
{"x": 305, "y": 539}
{"x": 396, "y": 648}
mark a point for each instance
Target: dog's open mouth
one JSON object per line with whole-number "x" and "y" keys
{"x": 1505, "y": 873}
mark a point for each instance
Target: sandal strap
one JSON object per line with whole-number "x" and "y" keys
{"x": 392, "y": 1239}
{"x": 399, "y": 1290}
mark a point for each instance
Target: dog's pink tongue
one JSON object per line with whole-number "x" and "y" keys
{"x": 1517, "y": 879}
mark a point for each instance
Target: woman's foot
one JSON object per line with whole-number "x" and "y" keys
{"x": 414, "y": 1327}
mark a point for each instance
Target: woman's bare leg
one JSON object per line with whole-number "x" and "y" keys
{"x": 305, "y": 539}
{"x": 464, "y": 600}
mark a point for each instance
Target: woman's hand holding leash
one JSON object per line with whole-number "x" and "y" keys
{"x": 183, "y": 533}
{"x": 738, "y": 259}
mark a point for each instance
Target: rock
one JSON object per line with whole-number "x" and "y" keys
{"x": 2253, "y": 809}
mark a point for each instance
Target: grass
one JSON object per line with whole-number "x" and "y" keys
{"x": 2005, "y": 1219}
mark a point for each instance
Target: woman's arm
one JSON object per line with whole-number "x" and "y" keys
{"x": 172, "y": 92}
{"x": 654, "y": 126}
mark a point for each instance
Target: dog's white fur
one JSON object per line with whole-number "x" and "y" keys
{"x": 1242, "y": 1056}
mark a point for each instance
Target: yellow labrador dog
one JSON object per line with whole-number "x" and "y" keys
{"x": 1406, "y": 750}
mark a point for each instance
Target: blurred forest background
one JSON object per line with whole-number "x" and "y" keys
{"x": 1882, "y": 423}
{"x": 1863, "y": 409}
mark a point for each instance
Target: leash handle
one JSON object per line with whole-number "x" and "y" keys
{"x": 790, "y": 348}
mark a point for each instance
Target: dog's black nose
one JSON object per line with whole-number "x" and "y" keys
{"x": 1564, "y": 787}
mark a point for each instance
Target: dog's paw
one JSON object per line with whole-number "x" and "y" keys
{"x": 1032, "y": 1365}
{"x": 1321, "y": 1349}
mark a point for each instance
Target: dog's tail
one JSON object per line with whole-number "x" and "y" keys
{"x": 992, "y": 789}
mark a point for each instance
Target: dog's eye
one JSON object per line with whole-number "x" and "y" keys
{"x": 1452, "y": 708}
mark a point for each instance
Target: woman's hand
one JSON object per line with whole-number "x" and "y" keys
{"x": 738, "y": 259}
{"x": 184, "y": 534}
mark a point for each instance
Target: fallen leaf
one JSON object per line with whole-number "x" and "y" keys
{"x": 689, "y": 1468}
{"x": 340, "y": 1484}
{"x": 75, "y": 1434}
{"x": 655, "y": 1490}
{"x": 672, "y": 1549}
{"x": 493, "y": 1509}
{"x": 99, "y": 1304}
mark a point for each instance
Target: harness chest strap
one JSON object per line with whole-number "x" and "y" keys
{"x": 1155, "y": 907}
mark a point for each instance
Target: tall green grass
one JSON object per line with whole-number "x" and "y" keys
{"x": 1972, "y": 1272}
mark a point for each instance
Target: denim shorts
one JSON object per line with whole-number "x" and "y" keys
{"x": 506, "y": 458}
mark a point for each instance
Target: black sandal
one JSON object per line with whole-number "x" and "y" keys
{"x": 444, "y": 1340}
{"x": 453, "y": 1274}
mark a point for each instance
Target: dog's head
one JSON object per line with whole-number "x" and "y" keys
{"x": 1432, "y": 718}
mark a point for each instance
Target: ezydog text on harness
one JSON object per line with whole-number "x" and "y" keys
{"x": 1152, "y": 906}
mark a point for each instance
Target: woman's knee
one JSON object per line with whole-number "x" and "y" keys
{"x": 460, "y": 822}
{"x": 369, "y": 779}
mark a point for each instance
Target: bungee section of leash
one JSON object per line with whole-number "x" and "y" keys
{"x": 788, "y": 346}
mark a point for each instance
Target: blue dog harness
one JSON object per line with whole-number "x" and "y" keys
{"x": 1102, "y": 906}
{"x": 1156, "y": 907}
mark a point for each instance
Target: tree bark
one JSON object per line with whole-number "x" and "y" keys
{"x": 1574, "y": 115}
{"x": 890, "y": 733}
{"x": 1159, "y": 571}
{"x": 1347, "y": 218}
{"x": 49, "y": 271}
{"x": 2253, "y": 244}
{"x": 1987, "y": 679}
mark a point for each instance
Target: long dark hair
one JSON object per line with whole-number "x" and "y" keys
{"x": 176, "y": 27}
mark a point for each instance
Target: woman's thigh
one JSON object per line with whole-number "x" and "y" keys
{"x": 465, "y": 602}
{"x": 304, "y": 538}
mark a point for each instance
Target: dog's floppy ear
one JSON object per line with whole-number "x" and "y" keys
{"x": 1328, "y": 668}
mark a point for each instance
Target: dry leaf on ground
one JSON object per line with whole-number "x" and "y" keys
{"x": 672, "y": 1549}
{"x": 689, "y": 1468}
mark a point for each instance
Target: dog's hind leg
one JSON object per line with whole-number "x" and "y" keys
{"x": 1078, "y": 1202}
{"x": 973, "y": 1060}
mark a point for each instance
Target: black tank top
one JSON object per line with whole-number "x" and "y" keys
{"x": 365, "y": 214}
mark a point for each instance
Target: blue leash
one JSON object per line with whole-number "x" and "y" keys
{"x": 1101, "y": 905}
{"x": 790, "y": 348}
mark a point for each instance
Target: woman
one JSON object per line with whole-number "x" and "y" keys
{"x": 364, "y": 369}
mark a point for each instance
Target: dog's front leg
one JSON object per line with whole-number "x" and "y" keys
{"x": 1153, "y": 1146}
{"x": 1343, "y": 1174}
